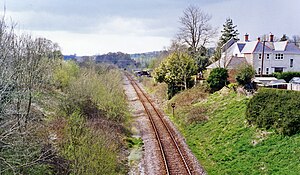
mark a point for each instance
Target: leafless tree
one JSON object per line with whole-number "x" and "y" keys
{"x": 195, "y": 30}
{"x": 296, "y": 40}
{"x": 25, "y": 66}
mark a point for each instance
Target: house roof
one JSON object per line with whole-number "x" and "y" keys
{"x": 295, "y": 80}
{"x": 249, "y": 47}
{"x": 277, "y": 82}
{"x": 228, "y": 44}
{"x": 265, "y": 81}
{"x": 228, "y": 62}
{"x": 241, "y": 46}
{"x": 292, "y": 48}
{"x": 280, "y": 46}
{"x": 257, "y": 47}
{"x": 258, "y": 79}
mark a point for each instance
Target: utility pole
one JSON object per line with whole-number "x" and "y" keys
{"x": 262, "y": 59}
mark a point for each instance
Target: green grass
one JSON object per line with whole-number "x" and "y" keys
{"x": 226, "y": 144}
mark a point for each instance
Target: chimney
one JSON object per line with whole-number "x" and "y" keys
{"x": 246, "y": 37}
{"x": 258, "y": 39}
{"x": 271, "y": 37}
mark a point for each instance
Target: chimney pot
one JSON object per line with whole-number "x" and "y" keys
{"x": 246, "y": 37}
{"x": 271, "y": 37}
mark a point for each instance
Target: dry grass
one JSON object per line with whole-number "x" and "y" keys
{"x": 159, "y": 90}
{"x": 191, "y": 96}
{"x": 197, "y": 115}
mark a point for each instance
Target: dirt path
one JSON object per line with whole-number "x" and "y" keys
{"x": 142, "y": 161}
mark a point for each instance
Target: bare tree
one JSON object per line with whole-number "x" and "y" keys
{"x": 25, "y": 66}
{"x": 195, "y": 30}
{"x": 296, "y": 40}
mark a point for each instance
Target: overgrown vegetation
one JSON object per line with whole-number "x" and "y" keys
{"x": 26, "y": 69}
{"x": 57, "y": 117}
{"x": 287, "y": 76}
{"x": 275, "y": 109}
{"x": 95, "y": 110}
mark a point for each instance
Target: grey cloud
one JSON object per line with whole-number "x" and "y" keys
{"x": 92, "y": 15}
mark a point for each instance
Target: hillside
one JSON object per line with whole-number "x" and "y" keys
{"x": 122, "y": 60}
{"x": 216, "y": 131}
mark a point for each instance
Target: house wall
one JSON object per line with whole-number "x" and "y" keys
{"x": 295, "y": 87}
{"x": 296, "y": 62}
{"x": 267, "y": 63}
{"x": 249, "y": 58}
{"x": 271, "y": 63}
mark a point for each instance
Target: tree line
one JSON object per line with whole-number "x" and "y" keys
{"x": 188, "y": 54}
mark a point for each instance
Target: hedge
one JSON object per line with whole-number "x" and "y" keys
{"x": 287, "y": 76}
{"x": 275, "y": 109}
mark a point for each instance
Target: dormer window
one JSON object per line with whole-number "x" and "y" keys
{"x": 279, "y": 56}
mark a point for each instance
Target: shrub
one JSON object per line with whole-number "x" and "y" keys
{"x": 233, "y": 86}
{"x": 244, "y": 74}
{"x": 65, "y": 74}
{"x": 217, "y": 79}
{"x": 287, "y": 76}
{"x": 275, "y": 109}
{"x": 90, "y": 152}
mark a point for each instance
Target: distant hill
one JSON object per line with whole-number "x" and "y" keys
{"x": 143, "y": 59}
{"x": 146, "y": 55}
{"x": 120, "y": 59}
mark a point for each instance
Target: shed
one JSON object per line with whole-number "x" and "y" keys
{"x": 294, "y": 84}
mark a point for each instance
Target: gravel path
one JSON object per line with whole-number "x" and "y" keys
{"x": 142, "y": 128}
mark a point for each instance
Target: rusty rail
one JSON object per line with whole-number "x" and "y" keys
{"x": 141, "y": 94}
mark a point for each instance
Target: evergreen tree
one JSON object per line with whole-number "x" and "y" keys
{"x": 176, "y": 71}
{"x": 284, "y": 38}
{"x": 229, "y": 31}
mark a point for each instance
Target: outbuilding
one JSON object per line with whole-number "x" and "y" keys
{"x": 294, "y": 84}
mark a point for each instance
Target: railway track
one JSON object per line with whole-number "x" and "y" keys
{"x": 173, "y": 158}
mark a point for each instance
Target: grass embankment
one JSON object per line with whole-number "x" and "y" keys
{"x": 218, "y": 134}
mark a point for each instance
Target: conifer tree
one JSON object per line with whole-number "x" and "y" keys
{"x": 284, "y": 38}
{"x": 229, "y": 31}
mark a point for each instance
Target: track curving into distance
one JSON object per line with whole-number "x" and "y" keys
{"x": 174, "y": 161}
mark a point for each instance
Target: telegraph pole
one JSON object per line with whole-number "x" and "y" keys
{"x": 262, "y": 59}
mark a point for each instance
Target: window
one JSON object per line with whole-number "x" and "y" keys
{"x": 291, "y": 62}
{"x": 268, "y": 56}
{"x": 259, "y": 56}
{"x": 278, "y": 69}
{"x": 278, "y": 56}
{"x": 259, "y": 71}
{"x": 267, "y": 70}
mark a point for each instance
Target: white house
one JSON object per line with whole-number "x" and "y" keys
{"x": 267, "y": 56}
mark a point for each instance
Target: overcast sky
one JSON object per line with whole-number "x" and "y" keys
{"x": 88, "y": 27}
